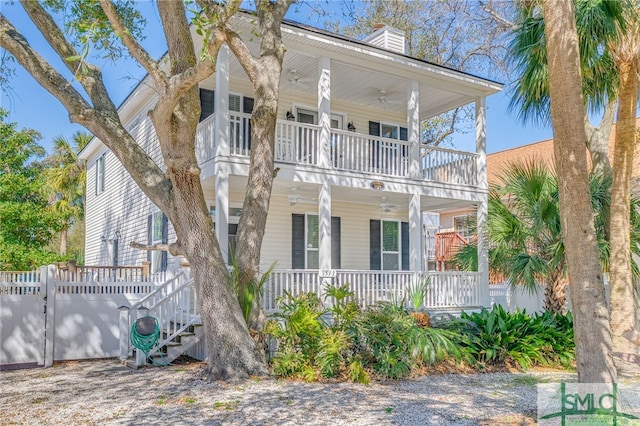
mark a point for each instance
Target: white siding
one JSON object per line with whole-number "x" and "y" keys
{"x": 122, "y": 206}
{"x": 354, "y": 226}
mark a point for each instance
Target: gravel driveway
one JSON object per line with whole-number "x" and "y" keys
{"x": 103, "y": 392}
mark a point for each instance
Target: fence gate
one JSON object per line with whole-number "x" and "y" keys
{"x": 22, "y": 319}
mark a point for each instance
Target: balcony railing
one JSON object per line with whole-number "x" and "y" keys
{"x": 449, "y": 166}
{"x": 452, "y": 289}
{"x": 299, "y": 143}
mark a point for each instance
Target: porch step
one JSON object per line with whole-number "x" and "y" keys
{"x": 182, "y": 343}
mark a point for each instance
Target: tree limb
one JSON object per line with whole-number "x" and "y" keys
{"x": 172, "y": 248}
{"x": 136, "y": 50}
{"x": 102, "y": 121}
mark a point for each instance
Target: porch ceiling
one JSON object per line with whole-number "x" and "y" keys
{"x": 369, "y": 197}
{"x": 360, "y": 85}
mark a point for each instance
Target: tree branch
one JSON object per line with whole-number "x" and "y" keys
{"x": 101, "y": 119}
{"x": 47, "y": 76}
{"x": 242, "y": 53}
{"x": 136, "y": 50}
{"x": 172, "y": 248}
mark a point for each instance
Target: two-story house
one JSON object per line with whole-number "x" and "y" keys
{"x": 354, "y": 180}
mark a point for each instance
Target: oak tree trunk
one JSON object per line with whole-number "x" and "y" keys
{"x": 590, "y": 313}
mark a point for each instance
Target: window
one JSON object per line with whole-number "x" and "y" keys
{"x": 390, "y": 245}
{"x": 465, "y": 225}
{"x": 157, "y": 238}
{"x": 312, "y": 239}
{"x": 305, "y": 237}
{"x": 100, "y": 174}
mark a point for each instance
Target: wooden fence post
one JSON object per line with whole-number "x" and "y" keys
{"x": 146, "y": 270}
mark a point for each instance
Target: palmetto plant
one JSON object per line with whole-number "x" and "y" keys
{"x": 66, "y": 177}
{"x": 523, "y": 229}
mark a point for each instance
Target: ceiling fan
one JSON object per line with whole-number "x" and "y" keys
{"x": 383, "y": 99}
{"x": 386, "y": 206}
{"x": 297, "y": 81}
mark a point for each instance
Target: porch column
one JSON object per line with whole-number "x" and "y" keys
{"x": 415, "y": 233}
{"x": 221, "y": 103}
{"x": 222, "y": 213}
{"x": 413, "y": 128}
{"x": 481, "y": 219}
{"x": 324, "y": 112}
{"x": 324, "y": 226}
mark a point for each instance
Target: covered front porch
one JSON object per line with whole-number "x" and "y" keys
{"x": 446, "y": 291}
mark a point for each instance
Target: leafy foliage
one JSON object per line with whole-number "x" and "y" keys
{"x": 529, "y": 57}
{"x": 488, "y": 337}
{"x": 26, "y": 225}
{"x": 314, "y": 341}
{"x": 523, "y": 226}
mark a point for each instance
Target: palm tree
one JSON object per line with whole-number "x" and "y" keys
{"x": 524, "y": 231}
{"x": 598, "y": 23}
{"x": 626, "y": 53}
{"x": 66, "y": 178}
{"x": 610, "y": 53}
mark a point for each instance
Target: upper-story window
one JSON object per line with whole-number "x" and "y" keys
{"x": 100, "y": 174}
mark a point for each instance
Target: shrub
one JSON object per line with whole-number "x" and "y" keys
{"x": 489, "y": 337}
{"x": 384, "y": 340}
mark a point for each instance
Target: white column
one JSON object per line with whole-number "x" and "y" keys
{"x": 413, "y": 127}
{"x": 221, "y": 103}
{"x": 415, "y": 233}
{"x": 324, "y": 112}
{"x": 324, "y": 226}
{"x": 483, "y": 247}
{"x": 222, "y": 213}
{"x": 48, "y": 276}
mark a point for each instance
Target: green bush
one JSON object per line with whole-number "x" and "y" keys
{"x": 493, "y": 336}
{"x": 342, "y": 340}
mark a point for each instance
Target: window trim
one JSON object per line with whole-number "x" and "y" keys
{"x": 399, "y": 244}
{"x": 100, "y": 173}
{"x": 467, "y": 233}
{"x": 307, "y": 249}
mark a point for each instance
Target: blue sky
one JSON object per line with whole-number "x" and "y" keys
{"x": 33, "y": 107}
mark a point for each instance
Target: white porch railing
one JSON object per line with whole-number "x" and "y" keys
{"x": 369, "y": 154}
{"x": 296, "y": 143}
{"x": 205, "y": 148}
{"x": 299, "y": 143}
{"x": 446, "y": 289}
{"x": 449, "y": 166}
{"x": 293, "y": 281}
{"x": 453, "y": 289}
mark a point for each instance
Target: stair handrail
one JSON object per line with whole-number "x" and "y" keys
{"x": 177, "y": 319}
{"x": 129, "y": 314}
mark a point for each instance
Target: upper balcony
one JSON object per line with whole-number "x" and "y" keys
{"x": 300, "y": 144}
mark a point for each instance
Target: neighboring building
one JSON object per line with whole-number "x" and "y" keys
{"x": 348, "y": 146}
{"x": 460, "y": 223}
